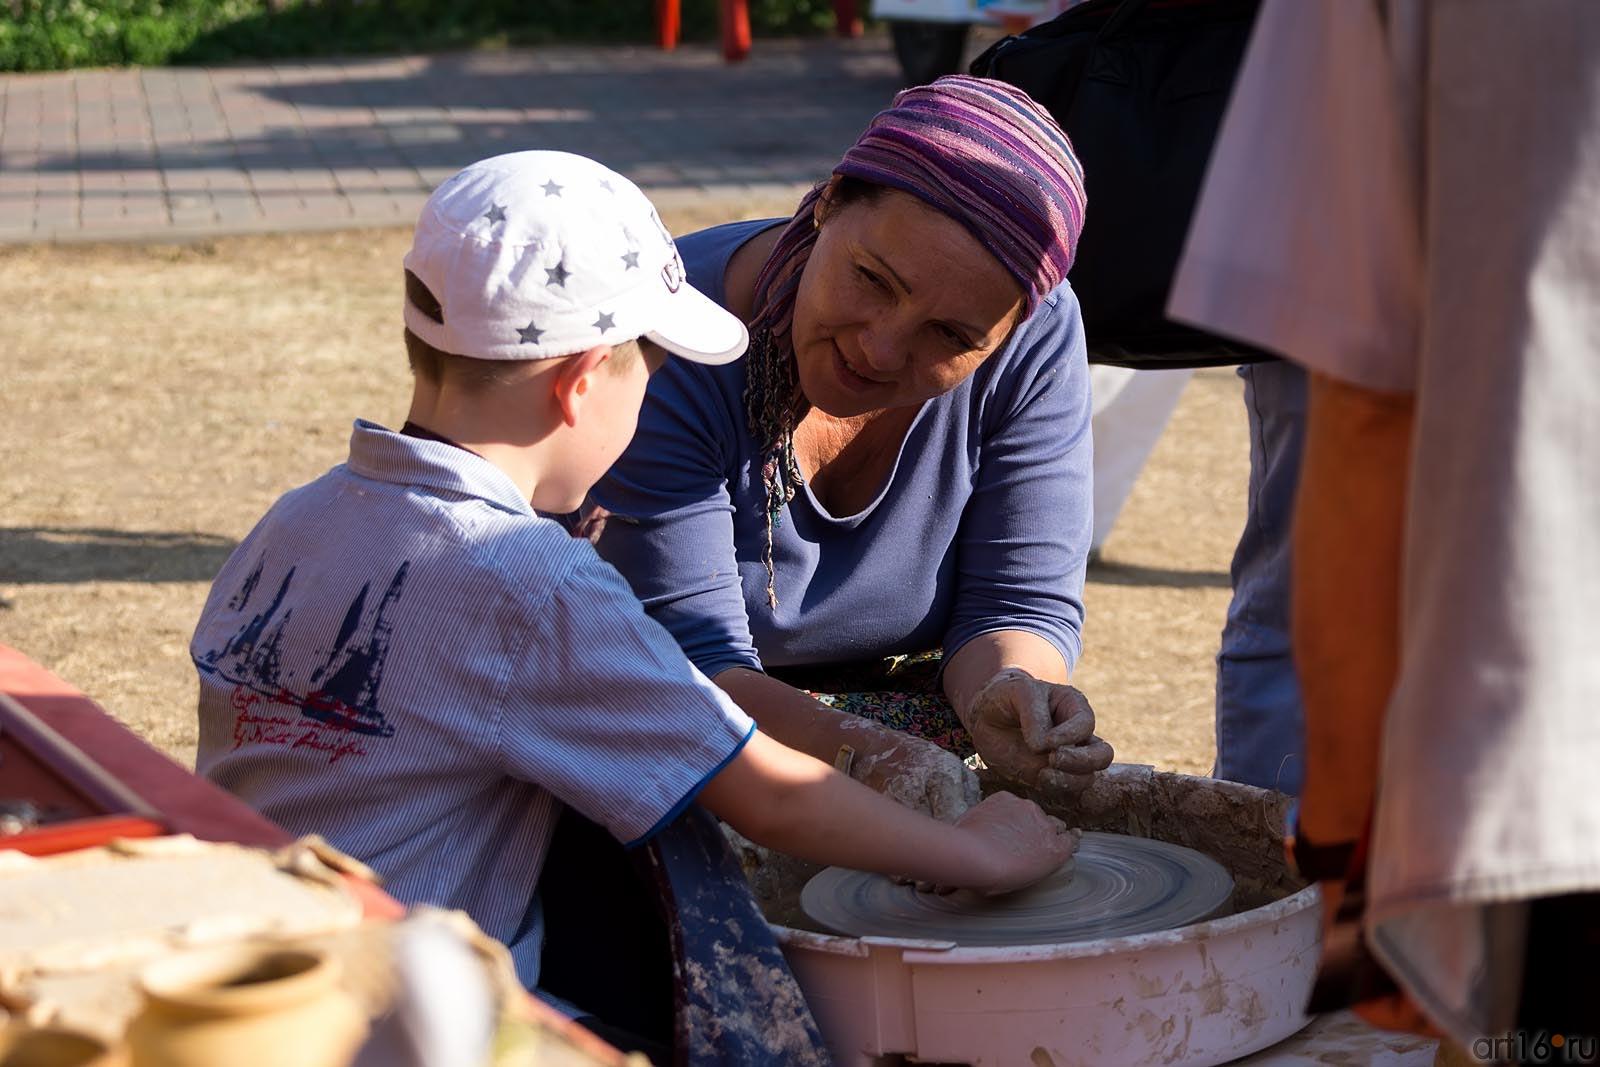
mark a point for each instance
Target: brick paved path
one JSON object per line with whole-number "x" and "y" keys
{"x": 118, "y": 154}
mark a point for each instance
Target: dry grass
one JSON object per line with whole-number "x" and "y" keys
{"x": 154, "y": 400}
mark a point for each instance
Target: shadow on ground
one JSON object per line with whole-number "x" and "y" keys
{"x": 1134, "y": 574}
{"x": 43, "y": 555}
{"x": 663, "y": 119}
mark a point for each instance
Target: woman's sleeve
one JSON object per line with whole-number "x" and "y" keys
{"x": 670, "y": 531}
{"x": 1025, "y": 533}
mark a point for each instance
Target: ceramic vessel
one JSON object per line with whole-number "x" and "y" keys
{"x": 50, "y": 1047}
{"x": 1197, "y": 995}
{"x": 245, "y": 1007}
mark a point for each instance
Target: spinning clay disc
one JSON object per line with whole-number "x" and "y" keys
{"x": 1114, "y": 886}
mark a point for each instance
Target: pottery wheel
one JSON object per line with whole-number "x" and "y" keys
{"x": 1114, "y": 886}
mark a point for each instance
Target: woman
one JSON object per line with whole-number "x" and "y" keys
{"x": 900, "y": 463}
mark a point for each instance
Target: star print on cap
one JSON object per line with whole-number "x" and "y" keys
{"x": 536, "y": 255}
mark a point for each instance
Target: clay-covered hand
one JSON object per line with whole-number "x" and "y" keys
{"x": 1017, "y": 842}
{"x": 1038, "y": 733}
{"x": 917, "y": 773}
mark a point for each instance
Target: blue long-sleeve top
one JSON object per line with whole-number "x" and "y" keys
{"x": 983, "y": 524}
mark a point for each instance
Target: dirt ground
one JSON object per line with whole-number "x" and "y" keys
{"x": 154, "y": 400}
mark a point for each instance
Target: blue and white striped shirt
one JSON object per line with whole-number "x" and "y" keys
{"x": 403, "y": 657}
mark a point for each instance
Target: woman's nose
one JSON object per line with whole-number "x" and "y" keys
{"x": 882, "y": 347}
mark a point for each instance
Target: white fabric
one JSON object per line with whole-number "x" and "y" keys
{"x": 1408, "y": 198}
{"x": 1131, "y": 408}
{"x": 535, "y": 255}
{"x": 1305, "y": 240}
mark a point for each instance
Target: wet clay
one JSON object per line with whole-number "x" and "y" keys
{"x": 1238, "y": 826}
{"x": 1114, "y": 886}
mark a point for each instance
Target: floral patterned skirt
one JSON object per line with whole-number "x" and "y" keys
{"x": 901, "y": 692}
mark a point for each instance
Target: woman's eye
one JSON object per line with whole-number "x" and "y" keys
{"x": 872, "y": 279}
{"x": 952, "y": 338}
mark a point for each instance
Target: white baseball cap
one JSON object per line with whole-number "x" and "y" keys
{"x": 535, "y": 255}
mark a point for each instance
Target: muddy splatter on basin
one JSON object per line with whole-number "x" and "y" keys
{"x": 1200, "y": 994}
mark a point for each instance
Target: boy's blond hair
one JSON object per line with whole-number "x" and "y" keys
{"x": 475, "y": 375}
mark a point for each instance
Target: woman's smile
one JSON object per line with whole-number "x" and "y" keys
{"x": 897, "y": 304}
{"x": 851, "y": 378}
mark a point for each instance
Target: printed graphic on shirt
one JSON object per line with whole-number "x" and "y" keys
{"x": 340, "y": 694}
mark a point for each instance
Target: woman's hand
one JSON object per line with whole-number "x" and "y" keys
{"x": 1038, "y": 733}
{"x": 917, "y": 773}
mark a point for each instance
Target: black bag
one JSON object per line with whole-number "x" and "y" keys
{"x": 1140, "y": 86}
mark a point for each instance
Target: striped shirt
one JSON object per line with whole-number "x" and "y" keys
{"x": 403, "y": 657}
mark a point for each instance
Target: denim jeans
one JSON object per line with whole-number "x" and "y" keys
{"x": 1260, "y": 730}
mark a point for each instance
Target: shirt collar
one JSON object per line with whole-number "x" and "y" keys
{"x": 386, "y": 456}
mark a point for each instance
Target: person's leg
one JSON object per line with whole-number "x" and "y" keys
{"x": 1260, "y": 737}
{"x": 655, "y": 946}
{"x": 925, "y": 715}
{"x": 737, "y": 1001}
{"x": 901, "y": 692}
{"x": 1560, "y": 983}
{"x": 607, "y": 948}
{"x": 659, "y": 1053}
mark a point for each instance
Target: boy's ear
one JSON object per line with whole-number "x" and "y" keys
{"x": 575, "y": 380}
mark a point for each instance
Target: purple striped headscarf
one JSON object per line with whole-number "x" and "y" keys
{"x": 977, "y": 150}
{"x": 985, "y": 154}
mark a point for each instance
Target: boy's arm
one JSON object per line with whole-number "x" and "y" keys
{"x": 791, "y": 802}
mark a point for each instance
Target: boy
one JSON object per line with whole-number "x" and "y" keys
{"x": 406, "y": 657}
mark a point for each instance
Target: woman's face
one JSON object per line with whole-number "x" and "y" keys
{"x": 897, "y": 304}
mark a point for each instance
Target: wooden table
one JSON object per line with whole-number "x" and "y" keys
{"x": 181, "y": 802}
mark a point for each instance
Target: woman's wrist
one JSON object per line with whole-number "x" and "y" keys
{"x": 1001, "y": 677}
{"x": 1005, "y": 674}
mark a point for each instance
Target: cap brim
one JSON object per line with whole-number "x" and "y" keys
{"x": 691, "y": 325}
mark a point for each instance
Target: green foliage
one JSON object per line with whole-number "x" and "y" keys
{"x": 57, "y": 34}
{"x": 61, "y": 34}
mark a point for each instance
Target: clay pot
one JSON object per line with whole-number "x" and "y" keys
{"x": 48, "y": 1047}
{"x": 245, "y": 1007}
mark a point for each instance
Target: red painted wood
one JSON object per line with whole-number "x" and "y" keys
{"x": 185, "y": 801}
{"x": 734, "y": 21}
{"x": 80, "y": 833}
{"x": 847, "y": 18}
{"x": 188, "y": 803}
{"x": 669, "y": 21}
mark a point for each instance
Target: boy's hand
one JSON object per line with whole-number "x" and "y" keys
{"x": 1038, "y": 733}
{"x": 1016, "y": 843}
{"x": 917, "y": 773}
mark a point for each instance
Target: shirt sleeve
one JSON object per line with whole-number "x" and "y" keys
{"x": 1307, "y": 236}
{"x": 606, "y": 713}
{"x": 1023, "y": 542}
{"x": 671, "y": 532}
